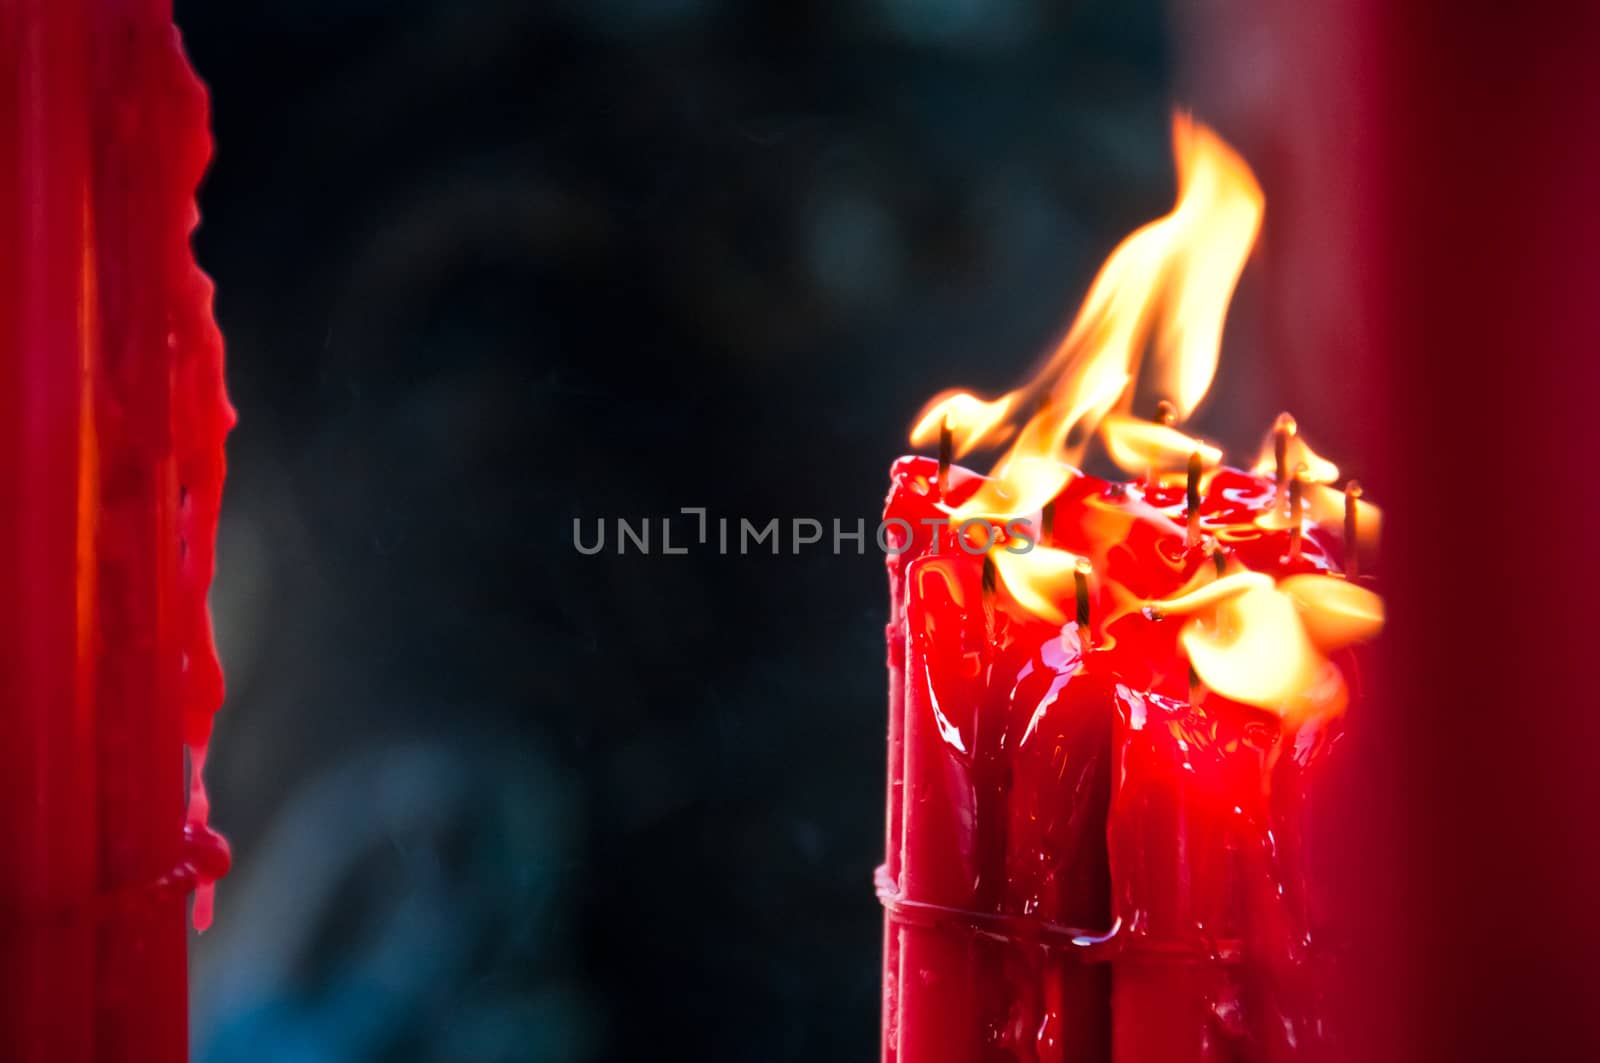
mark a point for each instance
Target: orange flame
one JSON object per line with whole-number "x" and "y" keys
{"x": 1167, "y": 285}
{"x": 1252, "y": 648}
{"x": 1166, "y": 288}
{"x": 1298, "y": 457}
{"x": 972, "y": 421}
{"x": 1335, "y": 612}
{"x": 1216, "y": 221}
{"x": 1039, "y": 579}
{"x": 1212, "y": 594}
{"x": 1263, "y": 644}
{"x": 1136, "y": 446}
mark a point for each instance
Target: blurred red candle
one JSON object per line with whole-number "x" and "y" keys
{"x": 110, "y": 476}
{"x": 1107, "y": 698}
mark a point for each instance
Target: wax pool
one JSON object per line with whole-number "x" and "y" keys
{"x": 1087, "y": 857}
{"x": 111, "y": 470}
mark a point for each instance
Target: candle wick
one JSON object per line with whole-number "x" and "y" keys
{"x": 1220, "y": 560}
{"x": 1283, "y": 430}
{"x": 988, "y": 582}
{"x": 1296, "y": 506}
{"x": 1193, "y": 498}
{"x": 947, "y": 448}
{"x": 1352, "y": 546}
{"x": 1080, "y": 587}
{"x": 1166, "y": 416}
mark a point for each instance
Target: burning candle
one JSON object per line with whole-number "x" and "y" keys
{"x": 996, "y": 876}
{"x": 110, "y": 476}
{"x": 1100, "y": 743}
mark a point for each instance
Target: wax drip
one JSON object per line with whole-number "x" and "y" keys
{"x": 201, "y": 418}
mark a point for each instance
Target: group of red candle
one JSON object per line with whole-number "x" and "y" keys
{"x": 1103, "y": 727}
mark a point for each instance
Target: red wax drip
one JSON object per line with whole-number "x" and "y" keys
{"x": 201, "y": 419}
{"x": 1049, "y": 810}
{"x": 111, "y": 469}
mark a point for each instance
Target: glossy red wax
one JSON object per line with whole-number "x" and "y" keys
{"x": 999, "y": 781}
{"x": 1219, "y": 961}
{"x": 111, "y": 466}
{"x": 1085, "y": 860}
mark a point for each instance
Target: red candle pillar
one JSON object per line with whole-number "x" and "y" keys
{"x": 112, "y": 415}
{"x": 1219, "y": 958}
{"x": 1460, "y": 153}
{"x": 1219, "y": 961}
{"x": 996, "y": 878}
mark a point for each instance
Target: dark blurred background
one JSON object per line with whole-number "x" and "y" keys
{"x": 487, "y": 267}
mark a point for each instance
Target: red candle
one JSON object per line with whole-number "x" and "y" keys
{"x": 1218, "y": 958}
{"x": 1124, "y": 685}
{"x": 995, "y": 878}
{"x": 110, "y": 475}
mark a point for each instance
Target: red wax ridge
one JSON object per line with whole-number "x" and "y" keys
{"x": 201, "y": 419}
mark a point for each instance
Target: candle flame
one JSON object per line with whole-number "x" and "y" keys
{"x": 1252, "y": 648}
{"x": 1167, "y": 286}
{"x": 1139, "y": 446}
{"x": 1335, "y": 612}
{"x": 972, "y": 421}
{"x": 1039, "y": 579}
{"x": 1156, "y": 311}
{"x": 1211, "y": 594}
{"x": 1216, "y": 221}
{"x": 1299, "y": 457}
{"x": 1265, "y": 644}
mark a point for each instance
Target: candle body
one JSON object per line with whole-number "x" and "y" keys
{"x": 998, "y": 784}
{"x": 110, "y": 473}
{"x": 1218, "y": 961}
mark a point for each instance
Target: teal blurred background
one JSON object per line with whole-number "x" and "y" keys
{"x": 487, "y": 267}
